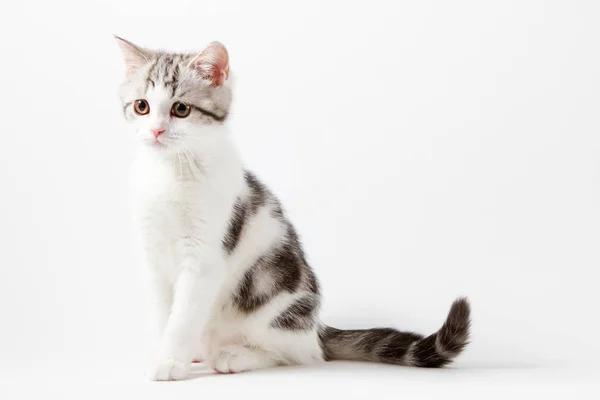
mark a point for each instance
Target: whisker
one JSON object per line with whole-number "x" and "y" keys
{"x": 190, "y": 137}
{"x": 180, "y": 165}
{"x": 191, "y": 153}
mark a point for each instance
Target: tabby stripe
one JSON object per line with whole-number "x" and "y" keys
{"x": 236, "y": 226}
{"x": 298, "y": 316}
{"x": 151, "y": 73}
{"x": 209, "y": 113}
{"x": 175, "y": 83}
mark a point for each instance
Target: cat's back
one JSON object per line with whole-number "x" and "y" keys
{"x": 263, "y": 240}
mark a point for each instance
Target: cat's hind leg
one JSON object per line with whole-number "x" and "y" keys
{"x": 235, "y": 358}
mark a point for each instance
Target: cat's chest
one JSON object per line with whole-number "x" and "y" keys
{"x": 170, "y": 201}
{"x": 160, "y": 198}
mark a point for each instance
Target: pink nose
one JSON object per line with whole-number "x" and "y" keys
{"x": 157, "y": 132}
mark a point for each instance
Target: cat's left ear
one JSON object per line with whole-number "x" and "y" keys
{"x": 213, "y": 63}
{"x": 135, "y": 57}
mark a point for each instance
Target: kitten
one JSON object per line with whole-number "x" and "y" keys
{"x": 229, "y": 281}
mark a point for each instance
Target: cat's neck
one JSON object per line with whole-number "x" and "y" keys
{"x": 194, "y": 162}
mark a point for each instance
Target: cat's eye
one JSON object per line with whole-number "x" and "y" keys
{"x": 141, "y": 107}
{"x": 180, "y": 110}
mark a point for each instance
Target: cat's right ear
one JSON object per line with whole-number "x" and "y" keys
{"x": 135, "y": 57}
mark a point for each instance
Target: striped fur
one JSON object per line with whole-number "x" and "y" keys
{"x": 390, "y": 346}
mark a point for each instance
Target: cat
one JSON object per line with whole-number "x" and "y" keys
{"x": 228, "y": 278}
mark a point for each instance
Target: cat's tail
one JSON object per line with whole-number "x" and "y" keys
{"x": 390, "y": 346}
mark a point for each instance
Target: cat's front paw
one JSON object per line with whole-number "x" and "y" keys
{"x": 169, "y": 369}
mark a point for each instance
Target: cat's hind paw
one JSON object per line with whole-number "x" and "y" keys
{"x": 233, "y": 359}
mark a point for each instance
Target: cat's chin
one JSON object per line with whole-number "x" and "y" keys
{"x": 161, "y": 149}
{"x": 156, "y": 146}
{"x": 156, "y": 149}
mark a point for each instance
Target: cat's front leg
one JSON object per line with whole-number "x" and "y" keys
{"x": 193, "y": 298}
{"x": 159, "y": 295}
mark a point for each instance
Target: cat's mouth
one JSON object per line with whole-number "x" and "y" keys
{"x": 157, "y": 144}
{"x": 163, "y": 142}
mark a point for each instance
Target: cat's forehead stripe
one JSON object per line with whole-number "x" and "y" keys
{"x": 166, "y": 69}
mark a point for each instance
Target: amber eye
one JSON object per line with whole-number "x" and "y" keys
{"x": 180, "y": 110}
{"x": 141, "y": 107}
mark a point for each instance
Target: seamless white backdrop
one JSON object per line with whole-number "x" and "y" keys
{"x": 425, "y": 150}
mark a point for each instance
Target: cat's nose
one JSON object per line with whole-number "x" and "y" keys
{"x": 157, "y": 132}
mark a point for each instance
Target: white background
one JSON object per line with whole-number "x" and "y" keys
{"x": 425, "y": 150}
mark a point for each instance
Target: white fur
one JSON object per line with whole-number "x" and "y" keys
{"x": 183, "y": 196}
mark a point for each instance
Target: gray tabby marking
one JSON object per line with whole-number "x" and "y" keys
{"x": 280, "y": 267}
{"x": 299, "y": 316}
{"x": 390, "y": 346}
{"x": 283, "y": 267}
{"x": 236, "y": 225}
{"x": 258, "y": 192}
{"x": 214, "y": 116}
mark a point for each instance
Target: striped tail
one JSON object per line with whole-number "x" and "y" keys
{"x": 390, "y": 346}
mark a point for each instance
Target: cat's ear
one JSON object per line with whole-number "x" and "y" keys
{"x": 213, "y": 63}
{"x": 135, "y": 57}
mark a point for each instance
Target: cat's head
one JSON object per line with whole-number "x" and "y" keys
{"x": 176, "y": 102}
